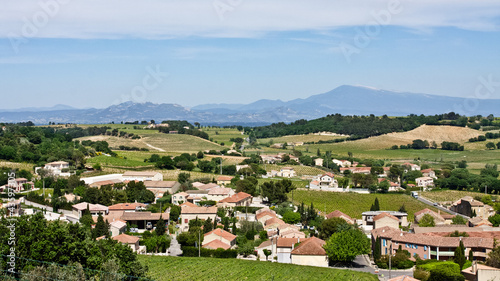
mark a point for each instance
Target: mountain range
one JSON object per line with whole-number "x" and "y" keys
{"x": 346, "y": 100}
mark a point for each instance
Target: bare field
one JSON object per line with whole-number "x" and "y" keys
{"x": 12, "y": 165}
{"x": 449, "y": 195}
{"x": 115, "y": 142}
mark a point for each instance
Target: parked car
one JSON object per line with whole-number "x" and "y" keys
{"x": 149, "y": 225}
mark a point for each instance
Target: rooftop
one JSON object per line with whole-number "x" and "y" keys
{"x": 311, "y": 246}
{"x": 126, "y": 239}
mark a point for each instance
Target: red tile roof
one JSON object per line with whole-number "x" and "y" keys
{"x": 236, "y": 198}
{"x": 287, "y": 242}
{"x": 222, "y": 233}
{"x": 311, "y": 246}
{"x": 265, "y": 213}
{"x": 125, "y": 206}
{"x": 384, "y": 215}
{"x": 338, "y": 214}
{"x": 273, "y": 220}
{"x": 224, "y": 178}
{"x": 216, "y": 244}
{"x": 126, "y": 239}
{"x": 198, "y": 210}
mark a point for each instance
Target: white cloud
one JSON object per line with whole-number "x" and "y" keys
{"x": 155, "y": 19}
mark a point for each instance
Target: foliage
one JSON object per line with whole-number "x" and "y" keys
{"x": 101, "y": 228}
{"x": 247, "y": 185}
{"x": 375, "y": 206}
{"x": 190, "y": 251}
{"x": 458, "y": 220}
{"x": 495, "y": 220}
{"x": 459, "y": 256}
{"x": 291, "y": 217}
{"x": 457, "y": 233}
{"x": 276, "y": 191}
{"x": 330, "y": 226}
{"x": 493, "y": 258}
{"x": 344, "y": 246}
{"x": 427, "y": 221}
{"x": 246, "y": 249}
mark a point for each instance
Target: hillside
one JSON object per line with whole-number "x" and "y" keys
{"x": 183, "y": 268}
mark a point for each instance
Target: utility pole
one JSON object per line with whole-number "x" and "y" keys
{"x": 390, "y": 255}
{"x": 199, "y": 242}
{"x": 221, "y": 164}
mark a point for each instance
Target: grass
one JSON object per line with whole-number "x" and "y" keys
{"x": 184, "y": 268}
{"x": 107, "y": 161}
{"x": 179, "y": 143}
{"x": 224, "y": 135}
{"x": 295, "y": 182}
{"x": 21, "y": 166}
{"x": 354, "y": 204}
{"x": 449, "y": 195}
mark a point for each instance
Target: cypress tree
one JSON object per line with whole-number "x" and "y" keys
{"x": 459, "y": 256}
{"x": 471, "y": 255}
{"x": 160, "y": 227}
{"x": 376, "y": 250}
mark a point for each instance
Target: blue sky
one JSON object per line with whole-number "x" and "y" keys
{"x": 98, "y": 53}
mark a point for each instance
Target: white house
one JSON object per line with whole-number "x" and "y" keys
{"x": 142, "y": 176}
{"x": 179, "y": 198}
{"x": 95, "y": 209}
{"x": 424, "y": 182}
{"x": 55, "y": 168}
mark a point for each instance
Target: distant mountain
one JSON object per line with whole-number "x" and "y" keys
{"x": 346, "y": 100}
{"x": 38, "y": 109}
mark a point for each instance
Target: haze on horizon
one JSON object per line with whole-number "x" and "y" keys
{"x": 98, "y": 53}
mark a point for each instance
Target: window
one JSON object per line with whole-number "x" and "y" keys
{"x": 383, "y": 242}
{"x": 185, "y": 220}
{"x": 425, "y": 248}
{"x": 425, "y": 256}
{"x": 386, "y": 251}
{"x": 416, "y": 246}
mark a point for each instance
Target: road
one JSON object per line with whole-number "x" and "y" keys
{"x": 431, "y": 203}
{"x": 175, "y": 248}
{"x": 362, "y": 263}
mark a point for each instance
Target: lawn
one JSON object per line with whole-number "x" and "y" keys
{"x": 354, "y": 204}
{"x": 184, "y": 268}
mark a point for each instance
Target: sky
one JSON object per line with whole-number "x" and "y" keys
{"x": 96, "y": 53}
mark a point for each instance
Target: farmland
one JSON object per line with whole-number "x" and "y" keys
{"x": 184, "y": 268}
{"x": 223, "y": 135}
{"x": 300, "y": 170}
{"x": 301, "y": 138}
{"x": 450, "y": 195}
{"x": 354, "y": 204}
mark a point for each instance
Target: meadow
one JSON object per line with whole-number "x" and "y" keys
{"x": 353, "y": 204}
{"x": 184, "y": 268}
{"x": 223, "y": 135}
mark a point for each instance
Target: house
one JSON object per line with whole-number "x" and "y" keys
{"x": 481, "y": 272}
{"x": 118, "y": 209}
{"x": 393, "y": 186}
{"x": 429, "y": 173}
{"x": 290, "y": 231}
{"x": 179, "y": 198}
{"x": 95, "y": 209}
{"x": 478, "y": 222}
{"x": 131, "y": 241}
{"x": 429, "y": 246}
{"x": 216, "y": 244}
{"x": 438, "y": 219}
{"x": 385, "y": 219}
{"x": 217, "y": 194}
{"x": 141, "y": 219}
{"x": 191, "y": 213}
{"x": 318, "y": 162}
{"x": 99, "y": 184}
{"x": 268, "y": 245}
{"x": 56, "y": 168}
{"x": 195, "y": 196}
{"x": 410, "y": 167}
{"x": 142, "y": 176}
{"x": 117, "y": 227}
{"x": 14, "y": 208}
{"x": 18, "y": 185}
{"x": 310, "y": 252}
{"x": 368, "y": 217}
{"x": 163, "y": 186}
{"x": 287, "y": 172}
{"x": 357, "y": 170}
{"x": 222, "y": 236}
{"x": 262, "y": 217}
{"x": 224, "y": 180}
{"x": 468, "y": 206}
{"x": 424, "y": 182}
{"x": 328, "y": 180}
{"x": 208, "y": 186}
{"x": 239, "y": 167}
{"x": 284, "y": 247}
{"x": 339, "y": 214}
{"x": 238, "y": 199}
{"x": 342, "y": 163}
{"x": 273, "y": 224}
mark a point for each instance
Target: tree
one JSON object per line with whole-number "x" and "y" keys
{"x": 377, "y": 249}
{"x": 427, "y": 221}
{"x": 248, "y": 185}
{"x": 458, "y": 220}
{"x": 267, "y": 253}
{"x": 160, "y": 227}
{"x": 493, "y": 258}
{"x": 175, "y": 212}
{"x": 384, "y": 186}
{"x": 375, "y": 206}
{"x": 86, "y": 218}
{"x": 207, "y": 225}
{"x": 402, "y": 209}
{"x": 346, "y": 245}
{"x": 291, "y": 217}
{"x": 330, "y": 226}
{"x": 471, "y": 255}
{"x": 183, "y": 177}
{"x": 101, "y": 228}
{"x": 490, "y": 145}
{"x": 495, "y": 220}
{"x": 459, "y": 256}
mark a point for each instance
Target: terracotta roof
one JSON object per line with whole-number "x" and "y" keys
{"x": 287, "y": 226}
{"x": 236, "y": 198}
{"x": 295, "y": 232}
{"x": 118, "y": 224}
{"x": 219, "y": 191}
{"x": 181, "y": 194}
{"x": 208, "y": 186}
{"x": 92, "y": 207}
{"x": 265, "y": 213}
{"x": 57, "y": 163}
{"x": 273, "y": 220}
{"x": 105, "y": 182}
{"x": 125, "y": 206}
{"x": 403, "y": 278}
{"x": 126, "y": 239}
{"x": 188, "y": 204}
{"x": 160, "y": 184}
{"x": 266, "y": 243}
{"x": 287, "y": 242}
{"x": 222, "y": 233}
{"x": 139, "y": 174}
{"x": 338, "y": 214}
{"x": 384, "y": 215}
{"x": 477, "y": 221}
{"x": 198, "y": 210}
{"x": 216, "y": 244}
{"x": 424, "y": 211}
{"x": 426, "y": 171}
{"x": 134, "y": 216}
{"x": 224, "y": 178}
{"x": 311, "y": 246}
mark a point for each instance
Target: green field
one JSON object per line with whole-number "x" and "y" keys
{"x": 107, "y": 161}
{"x": 224, "y": 135}
{"x": 179, "y": 143}
{"x": 354, "y": 204}
{"x": 450, "y": 195}
{"x": 183, "y": 268}
{"x": 300, "y": 138}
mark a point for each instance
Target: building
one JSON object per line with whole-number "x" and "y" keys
{"x": 142, "y": 176}
{"x": 117, "y": 227}
{"x": 191, "y": 213}
{"x": 18, "y": 185}
{"x": 163, "y": 186}
{"x": 142, "y": 219}
{"x": 224, "y": 180}
{"x": 429, "y": 246}
{"x": 481, "y": 272}
{"x": 238, "y": 199}
{"x": 13, "y": 207}
{"x": 327, "y": 180}
{"x": 263, "y": 216}
{"x": 429, "y": 173}
{"x": 286, "y": 172}
{"x": 385, "y": 219}
{"x": 217, "y": 194}
{"x": 117, "y": 210}
{"x": 479, "y": 222}
{"x": 468, "y": 206}
{"x": 57, "y": 168}
{"x": 95, "y": 209}
{"x": 318, "y": 162}
{"x": 131, "y": 241}
{"x": 410, "y": 167}
{"x": 268, "y": 245}
{"x": 339, "y": 214}
{"x": 179, "y": 198}
{"x": 111, "y": 177}
{"x": 310, "y": 252}
{"x": 219, "y": 236}
{"x": 425, "y": 182}
{"x": 438, "y": 219}
{"x": 370, "y": 215}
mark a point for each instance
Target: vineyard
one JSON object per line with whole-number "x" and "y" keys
{"x": 354, "y": 204}
{"x": 450, "y": 195}
{"x": 183, "y": 268}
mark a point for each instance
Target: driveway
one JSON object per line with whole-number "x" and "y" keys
{"x": 175, "y": 247}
